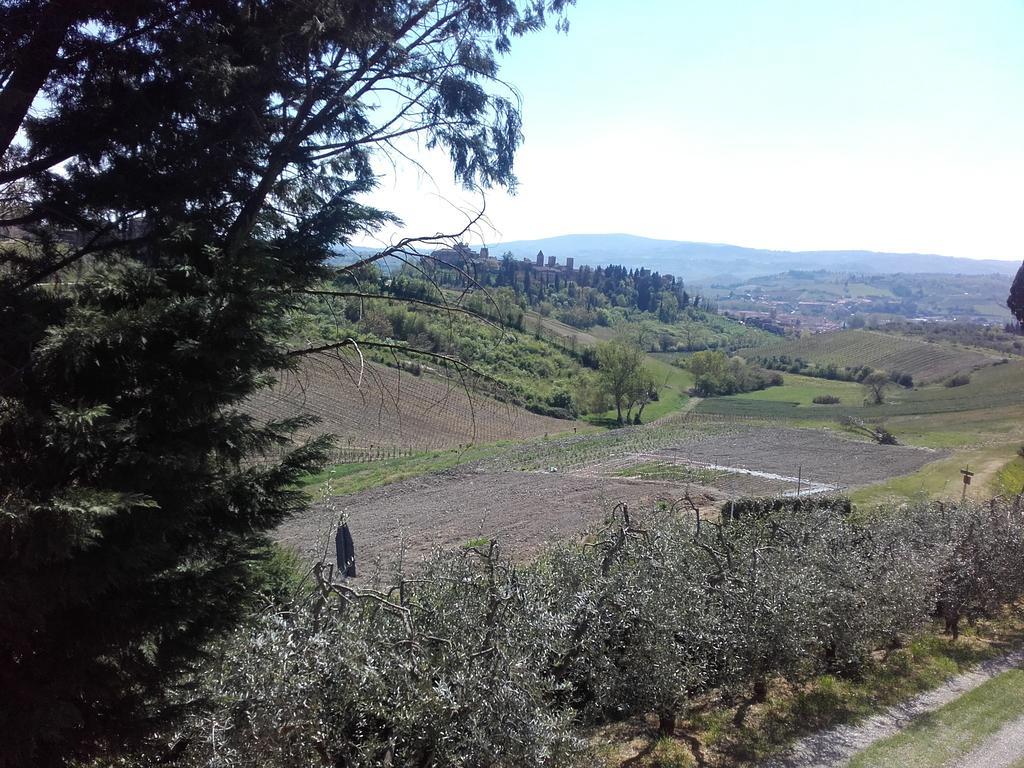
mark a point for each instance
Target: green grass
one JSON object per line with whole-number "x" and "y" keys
{"x": 342, "y": 479}
{"x": 673, "y": 385}
{"x": 993, "y": 388}
{"x": 862, "y": 290}
{"x": 1010, "y": 479}
{"x": 800, "y": 391}
{"x": 941, "y": 478}
{"x": 927, "y": 362}
{"x": 948, "y": 734}
{"x": 961, "y": 429}
{"x": 663, "y": 470}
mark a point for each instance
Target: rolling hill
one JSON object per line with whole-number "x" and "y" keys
{"x": 708, "y": 261}
{"x": 382, "y": 408}
{"x": 925, "y": 361}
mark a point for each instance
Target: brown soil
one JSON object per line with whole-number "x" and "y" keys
{"x": 381, "y": 407}
{"x": 821, "y": 456}
{"x": 524, "y": 510}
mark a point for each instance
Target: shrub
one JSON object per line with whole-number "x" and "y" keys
{"x": 958, "y": 380}
{"x": 717, "y": 374}
{"x": 826, "y": 400}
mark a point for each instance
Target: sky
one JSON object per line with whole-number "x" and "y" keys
{"x": 784, "y": 124}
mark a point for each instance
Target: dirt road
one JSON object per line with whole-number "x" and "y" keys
{"x": 1005, "y": 749}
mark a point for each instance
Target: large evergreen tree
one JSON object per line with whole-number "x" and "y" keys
{"x": 1016, "y": 299}
{"x": 171, "y": 174}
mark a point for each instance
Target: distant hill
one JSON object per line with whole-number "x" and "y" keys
{"x": 719, "y": 262}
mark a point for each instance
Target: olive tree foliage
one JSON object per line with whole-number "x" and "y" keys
{"x": 475, "y": 661}
{"x": 173, "y": 175}
{"x": 445, "y": 669}
{"x": 640, "y": 637}
{"x": 981, "y": 553}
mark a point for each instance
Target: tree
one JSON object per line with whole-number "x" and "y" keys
{"x": 643, "y": 391}
{"x": 712, "y": 373}
{"x": 1016, "y": 299}
{"x": 620, "y": 365}
{"x": 875, "y": 384}
{"x": 173, "y": 174}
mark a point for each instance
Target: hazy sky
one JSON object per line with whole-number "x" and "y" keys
{"x": 895, "y": 125}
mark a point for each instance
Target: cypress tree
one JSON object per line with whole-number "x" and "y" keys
{"x": 172, "y": 174}
{"x": 1016, "y": 299}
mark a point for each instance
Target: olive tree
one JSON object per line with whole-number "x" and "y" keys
{"x": 447, "y": 668}
{"x": 639, "y": 638}
{"x": 978, "y": 550}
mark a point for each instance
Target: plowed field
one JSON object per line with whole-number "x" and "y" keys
{"x": 379, "y": 407}
{"x": 524, "y": 509}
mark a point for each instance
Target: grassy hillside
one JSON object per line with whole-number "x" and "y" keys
{"x": 692, "y": 331}
{"x": 993, "y": 387}
{"x": 925, "y": 361}
{"x": 528, "y": 369}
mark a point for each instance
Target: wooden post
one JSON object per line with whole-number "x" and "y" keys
{"x": 966, "y": 472}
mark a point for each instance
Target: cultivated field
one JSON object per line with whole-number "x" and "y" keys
{"x": 817, "y": 457}
{"x": 523, "y": 510}
{"x": 529, "y": 494}
{"x": 381, "y": 407}
{"x": 980, "y": 424}
{"x": 926, "y": 362}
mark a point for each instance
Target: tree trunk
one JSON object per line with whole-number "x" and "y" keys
{"x": 953, "y": 626}
{"x": 34, "y": 63}
{"x": 760, "y": 690}
{"x": 666, "y": 722}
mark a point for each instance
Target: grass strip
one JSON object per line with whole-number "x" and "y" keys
{"x": 341, "y": 479}
{"x": 942, "y": 737}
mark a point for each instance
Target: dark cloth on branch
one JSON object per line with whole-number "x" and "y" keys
{"x": 346, "y": 551}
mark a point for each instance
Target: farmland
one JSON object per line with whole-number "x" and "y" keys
{"x": 377, "y": 407}
{"x": 772, "y": 442}
{"x": 926, "y": 362}
{"x": 817, "y": 297}
{"x": 993, "y": 387}
{"x": 979, "y": 424}
{"x": 530, "y": 493}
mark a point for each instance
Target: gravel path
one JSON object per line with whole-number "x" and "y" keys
{"x": 1002, "y": 750}
{"x": 836, "y": 746}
